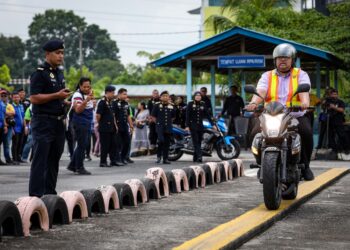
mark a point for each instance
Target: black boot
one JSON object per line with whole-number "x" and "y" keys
{"x": 307, "y": 173}
{"x": 158, "y": 160}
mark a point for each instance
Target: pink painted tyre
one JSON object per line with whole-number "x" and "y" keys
{"x": 200, "y": 176}
{"x": 228, "y": 170}
{"x": 160, "y": 179}
{"x": 180, "y": 180}
{"x": 110, "y": 197}
{"x": 10, "y": 220}
{"x": 33, "y": 213}
{"x": 215, "y": 171}
{"x": 76, "y": 205}
{"x": 138, "y": 190}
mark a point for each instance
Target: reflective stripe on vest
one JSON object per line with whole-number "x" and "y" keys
{"x": 272, "y": 93}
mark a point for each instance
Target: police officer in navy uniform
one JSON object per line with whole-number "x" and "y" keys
{"x": 107, "y": 128}
{"x": 163, "y": 114}
{"x": 152, "y": 126}
{"x": 47, "y": 94}
{"x": 196, "y": 111}
{"x": 124, "y": 123}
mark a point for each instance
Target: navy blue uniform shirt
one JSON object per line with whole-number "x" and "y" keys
{"x": 46, "y": 80}
{"x": 121, "y": 113}
{"x": 164, "y": 113}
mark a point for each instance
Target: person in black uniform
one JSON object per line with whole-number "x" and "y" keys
{"x": 47, "y": 94}
{"x": 180, "y": 118}
{"x": 163, "y": 114}
{"x": 107, "y": 128}
{"x": 26, "y": 103}
{"x": 206, "y": 100}
{"x": 195, "y": 113}
{"x": 124, "y": 122}
{"x": 152, "y": 126}
{"x": 336, "y": 110}
{"x": 233, "y": 105}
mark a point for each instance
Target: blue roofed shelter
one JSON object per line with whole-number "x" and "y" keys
{"x": 241, "y": 50}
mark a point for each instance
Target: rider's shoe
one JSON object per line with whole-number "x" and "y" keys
{"x": 307, "y": 174}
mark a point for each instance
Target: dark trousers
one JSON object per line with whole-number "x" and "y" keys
{"x": 152, "y": 134}
{"x": 88, "y": 144}
{"x": 81, "y": 136}
{"x": 338, "y": 140}
{"x": 70, "y": 140}
{"x": 197, "y": 136}
{"x": 16, "y": 148}
{"x": 323, "y": 142}
{"x": 124, "y": 142}
{"x": 108, "y": 143}
{"x": 306, "y": 135}
{"x": 48, "y": 145}
{"x": 307, "y": 141}
{"x": 163, "y": 146}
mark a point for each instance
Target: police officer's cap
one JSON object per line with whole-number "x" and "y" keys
{"x": 164, "y": 93}
{"x": 109, "y": 88}
{"x": 53, "y": 45}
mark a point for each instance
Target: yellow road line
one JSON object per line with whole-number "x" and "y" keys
{"x": 250, "y": 221}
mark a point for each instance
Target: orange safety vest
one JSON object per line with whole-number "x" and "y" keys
{"x": 272, "y": 92}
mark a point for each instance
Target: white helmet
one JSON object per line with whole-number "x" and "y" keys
{"x": 284, "y": 50}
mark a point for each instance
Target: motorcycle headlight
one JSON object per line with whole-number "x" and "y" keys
{"x": 273, "y": 124}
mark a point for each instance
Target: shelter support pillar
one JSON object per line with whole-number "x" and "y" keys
{"x": 297, "y": 62}
{"x": 230, "y": 78}
{"x": 212, "y": 87}
{"x": 243, "y": 85}
{"x": 189, "y": 79}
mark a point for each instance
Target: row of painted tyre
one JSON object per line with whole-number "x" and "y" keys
{"x": 26, "y": 213}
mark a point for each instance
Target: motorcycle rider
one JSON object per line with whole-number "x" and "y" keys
{"x": 195, "y": 112}
{"x": 279, "y": 85}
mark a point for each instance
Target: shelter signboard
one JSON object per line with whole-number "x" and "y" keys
{"x": 249, "y": 61}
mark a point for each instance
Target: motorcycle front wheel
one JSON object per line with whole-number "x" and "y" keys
{"x": 228, "y": 153}
{"x": 272, "y": 188}
{"x": 174, "y": 152}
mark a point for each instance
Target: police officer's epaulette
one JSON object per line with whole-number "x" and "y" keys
{"x": 40, "y": 68}
{"x": 157, "y": 103}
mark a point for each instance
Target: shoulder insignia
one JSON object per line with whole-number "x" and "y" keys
{"x": 40, "y": 68}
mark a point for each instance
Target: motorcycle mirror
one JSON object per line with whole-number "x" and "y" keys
{"x": 302, "y": 88}
{"x": 251, "y": 90}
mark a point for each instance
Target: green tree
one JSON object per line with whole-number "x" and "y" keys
{"x": 67, "y": 26}
{"x": 5, "y": 77}
{"x": 106, "y": 67}
{"x": 12, "y": 53}
{"x": 131, "y": 75}
{"x": 73, "y": 75}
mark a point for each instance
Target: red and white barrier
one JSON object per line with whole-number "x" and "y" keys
{"x": 27, "y": 207}
{"x": 200, "y": 175}
{"x": 215, "y": 171}
{"x": 73, "y": 199}
{"x": 109, "y": 194}
{"x": 137, "y": 187}
{"x": 180, "y": 176}
{"x": 159, "y": 177}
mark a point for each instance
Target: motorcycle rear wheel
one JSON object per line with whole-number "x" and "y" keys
{"x": 174, "y": 153}
{"x": 223, "y": 155}
{"x": 271, "y": 181}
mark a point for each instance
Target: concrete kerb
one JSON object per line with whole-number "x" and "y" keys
{"x": 236, "y": 232}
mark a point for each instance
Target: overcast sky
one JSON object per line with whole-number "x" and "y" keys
{"x": 118, "y": 17}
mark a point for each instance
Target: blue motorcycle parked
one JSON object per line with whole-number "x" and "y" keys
{"x": 227, "y": 147}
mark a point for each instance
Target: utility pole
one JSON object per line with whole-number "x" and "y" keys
{"x": 81, "y": 53}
